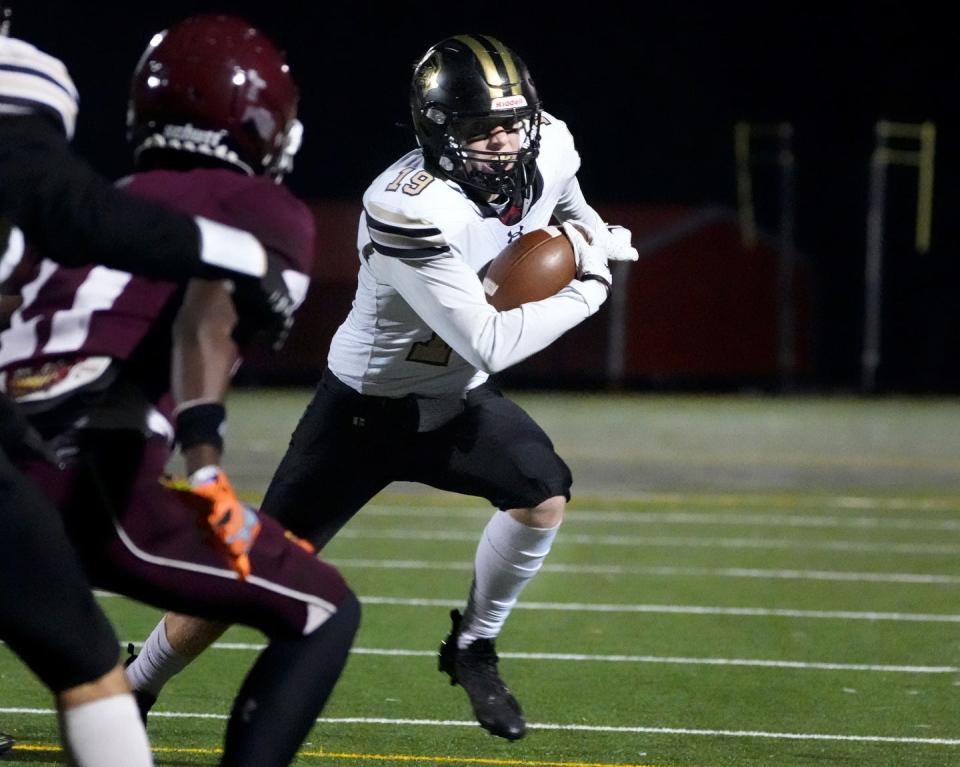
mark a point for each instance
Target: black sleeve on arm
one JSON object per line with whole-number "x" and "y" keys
{"x": 75, "y": 216}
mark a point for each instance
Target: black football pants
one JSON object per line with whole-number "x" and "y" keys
{"x": 347, "y": 447}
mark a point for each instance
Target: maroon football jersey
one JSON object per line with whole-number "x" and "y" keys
{"x": 99, "y": 312}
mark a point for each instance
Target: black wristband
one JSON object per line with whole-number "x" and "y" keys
{"x": 603, "y": 280}
{"x": 201, "y": 424}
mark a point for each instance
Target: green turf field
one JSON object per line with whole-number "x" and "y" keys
{"x": 740, "y": 581}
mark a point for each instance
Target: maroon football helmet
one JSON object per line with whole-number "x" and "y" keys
{"x": 216, "y": 86}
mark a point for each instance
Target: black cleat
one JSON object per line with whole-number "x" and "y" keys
{"x": 144, "y": 699}
{"x": 475, "y": 669}
{"x": 6, "y": 742}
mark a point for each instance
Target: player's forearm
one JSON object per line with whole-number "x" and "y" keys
{"x": 203, "y": 359}
{"x": 512, "y": 336}
{"x": 75, "y": 216}
{"x": 204, "y": 353}
{"x": 450, "y": 300}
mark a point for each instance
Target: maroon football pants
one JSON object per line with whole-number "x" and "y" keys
{"x": 136, "y": 537}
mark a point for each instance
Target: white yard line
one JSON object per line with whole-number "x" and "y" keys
{"x": 581, "y": 515}
{"x": 751, "y": 612}
{"x": 400, "y": 534}
{"x": 647, "y": 659}
{"x": 746, "y": 612}
{"x": 734, "y": 501}
{"x": 705, "y": 572}
{"x": 573, "y": 727}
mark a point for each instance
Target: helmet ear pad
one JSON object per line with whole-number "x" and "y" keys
{"x": 470, "y": 79}
{"x": 215, "y": 86}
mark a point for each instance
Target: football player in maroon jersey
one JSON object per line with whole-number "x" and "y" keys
{"x": 47, "y": 598}
{"x": 112, "y": 367}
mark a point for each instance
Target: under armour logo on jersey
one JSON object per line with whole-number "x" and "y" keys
{"x": 511, "y": 236}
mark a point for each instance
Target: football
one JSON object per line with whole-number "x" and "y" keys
{"x": 531, "y": 268}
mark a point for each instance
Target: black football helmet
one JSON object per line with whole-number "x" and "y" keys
{"x": 218, "y": 87}
{"x": 464, "y": 87}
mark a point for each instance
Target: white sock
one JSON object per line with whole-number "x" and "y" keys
{"x": 156, "y": 663}
{"x": 105, "y": 733}
{"x": 508, "y": 556}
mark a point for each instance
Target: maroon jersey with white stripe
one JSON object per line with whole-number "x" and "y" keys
{"x": 96, "y": 312}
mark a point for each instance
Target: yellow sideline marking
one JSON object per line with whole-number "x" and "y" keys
{"x": 464, "y": 760}
{"x": 469, "y": 760}
{"x": 369, "y": 757}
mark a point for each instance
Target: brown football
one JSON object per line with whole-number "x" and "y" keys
{"x": 531, "y": 268}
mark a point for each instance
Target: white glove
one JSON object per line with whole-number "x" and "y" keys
{"x": 593, "y": 273}
{"x": 33, "y": 82}
{"x": 615, "y": 240}
{"x": 591, "y": 259}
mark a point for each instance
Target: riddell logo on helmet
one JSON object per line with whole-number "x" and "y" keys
{"x": 508, "y": 102}
{"x": 187, "y": 132}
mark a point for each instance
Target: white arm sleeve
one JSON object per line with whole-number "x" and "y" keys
{"x": 573, "y": 206}
{"x": 12, "y": 253}
{"x": 229, "y": 248}
{"x": 449, "y": 297}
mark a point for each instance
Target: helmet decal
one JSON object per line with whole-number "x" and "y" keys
{"x": 508, "y": 102}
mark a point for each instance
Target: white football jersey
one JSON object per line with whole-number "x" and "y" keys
{"x": 420, "y": 321}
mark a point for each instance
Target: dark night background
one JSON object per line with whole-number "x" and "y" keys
{"x": 651, "y": 92}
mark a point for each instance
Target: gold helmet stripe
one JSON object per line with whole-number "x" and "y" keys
{"x": 497, "y": 81}
{"x": 513, "y": 74}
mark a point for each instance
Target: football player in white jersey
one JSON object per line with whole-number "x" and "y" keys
{"x": 405, "y": 395}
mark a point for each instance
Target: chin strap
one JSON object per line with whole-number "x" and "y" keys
{"x": 522, "y": 198}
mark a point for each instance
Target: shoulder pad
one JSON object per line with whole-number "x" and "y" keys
{"x": 401, "y": 234}
{"x": 558, "y": 153}
{"x": 276, "y": 217}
